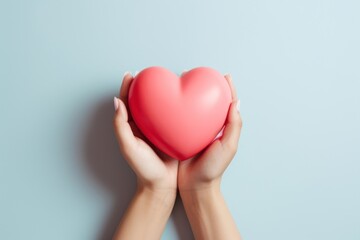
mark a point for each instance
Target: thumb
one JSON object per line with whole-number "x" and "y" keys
{"x": 233, "y": 127}
{"x": 120, "y": 112}
{"x": 122, "y": 128}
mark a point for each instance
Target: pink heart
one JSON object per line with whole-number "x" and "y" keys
{"x": 180, "y": 115}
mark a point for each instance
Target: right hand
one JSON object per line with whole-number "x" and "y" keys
{"x": 205, "y": 169}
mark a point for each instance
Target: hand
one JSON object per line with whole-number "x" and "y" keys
{"x": 205, "y": 169}
{"x": 199, "y": 181}
{"x": 156, "y": 174}
{"x": 154, "y": 170}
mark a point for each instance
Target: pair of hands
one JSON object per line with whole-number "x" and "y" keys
{"x": 157, "y": 171}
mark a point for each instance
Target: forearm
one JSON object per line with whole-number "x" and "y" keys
{"x": 208, "y": 214}
{"x": 146, "y": 215}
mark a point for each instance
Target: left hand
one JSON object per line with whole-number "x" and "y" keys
{"x": 154, "y": 170}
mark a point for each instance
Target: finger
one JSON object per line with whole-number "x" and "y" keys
{"x": 232, "y": 130}
{"x": 219, "y": 135}
{"x": 125, "y": 85}
{"x": 137, "y": 133}
{"x": 136, "y": 130}
{"x": 232, "y": 87}
{"x": 123, "y": 131}
{"x": 183, "y": 72}
{"x": 124, "y": 90}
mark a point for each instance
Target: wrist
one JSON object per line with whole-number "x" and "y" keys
{"x": 147, "y": 214}
{"x": 157, "y": 196}
{"x": 201, "y": 193}
{"x": 201, "y": 186}
{"x": 208, "y": 214}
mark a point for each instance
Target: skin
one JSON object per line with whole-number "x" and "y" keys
{"x": 159, "y": 177}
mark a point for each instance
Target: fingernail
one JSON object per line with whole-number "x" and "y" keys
{"x": 126, "y": 73}
{"x": 238, "y": 105}
{"x": 116, "y": 103}
{"x": 183, "y": 72}
{"x": 228, "y": 75}
{"x": 136, "y": 73}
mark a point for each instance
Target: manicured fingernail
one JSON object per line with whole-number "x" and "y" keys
{"x": 136, "y": 73}
{"x": 228, "y": 75}
{"x": 116, "y": 103}
{"x": 126, "y": 73}
{"x": 183, "y": 72}
{"x": 238, "y": 105}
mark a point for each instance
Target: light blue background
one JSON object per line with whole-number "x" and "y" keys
{"x": 296, "y": 66}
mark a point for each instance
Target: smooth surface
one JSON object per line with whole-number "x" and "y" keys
{"x": 180, "y": 115}
{"x": 296, "y": 68}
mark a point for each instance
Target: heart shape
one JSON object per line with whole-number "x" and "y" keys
{"x": 180, "y": 115}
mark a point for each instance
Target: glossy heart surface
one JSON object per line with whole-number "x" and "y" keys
{"x": 180, "y": 115}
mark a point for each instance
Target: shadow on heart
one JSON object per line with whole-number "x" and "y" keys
{"x": 109, "y": 170}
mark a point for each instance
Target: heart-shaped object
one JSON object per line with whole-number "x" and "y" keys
{"x": 179, "y": 115}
